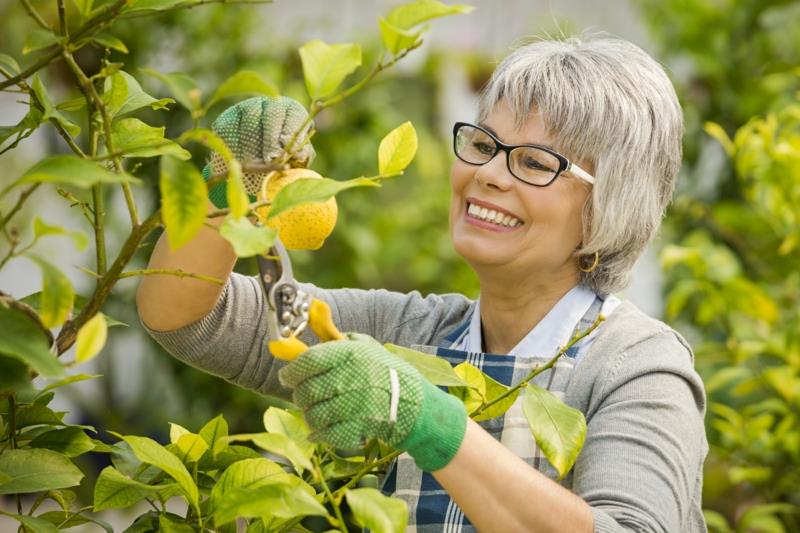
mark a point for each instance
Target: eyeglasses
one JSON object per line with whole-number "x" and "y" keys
{"x": 532, "y": 164}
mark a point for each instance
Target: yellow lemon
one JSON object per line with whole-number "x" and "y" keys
{"x": 303, "y": 227}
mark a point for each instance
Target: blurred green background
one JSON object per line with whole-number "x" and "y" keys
{"x": 729, "y": 247}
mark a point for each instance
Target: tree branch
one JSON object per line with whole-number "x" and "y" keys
{"x": 179, "y": 273}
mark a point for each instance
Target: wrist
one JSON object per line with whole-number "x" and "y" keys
{"x": 438, "y": 430}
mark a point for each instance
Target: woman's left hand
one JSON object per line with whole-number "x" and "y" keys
{"x": 355, "y": 390}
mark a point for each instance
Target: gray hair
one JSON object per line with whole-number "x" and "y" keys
{"x": 606, "y": 102}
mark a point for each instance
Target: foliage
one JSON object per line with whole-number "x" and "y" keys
{"x": 732, "y": 280}
{"x": 278, "y": 480}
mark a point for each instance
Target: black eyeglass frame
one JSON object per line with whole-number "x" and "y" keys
{"x": 565, "y": 165}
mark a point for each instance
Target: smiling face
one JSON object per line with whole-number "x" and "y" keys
{"x": 540, "y": 226}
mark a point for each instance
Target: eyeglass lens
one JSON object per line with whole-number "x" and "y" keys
{"x": 527, "y": 163}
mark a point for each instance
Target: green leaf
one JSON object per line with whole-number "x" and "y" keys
{"x": 66, "y": 520}
{"x": 407, "y": 16}
{"x": 290, "y": 424}
{"x": 247, "y": 240}
{"x": 34, "y": 470}
{"x": 397, "y": 39}
{"x": 235, "y": 192}
{"x": 34, "y": 300}
{"x": 228, "y": 456}
{"x": 113, "y": 490}
{"x": 109, "y": 41}
{"x": 72, "y": 170}
{"x": 68, "y": 380}
{"x": 71, "y": 441}
{"x": 13, "y": 375}
{"x": 209, "y": 139}
{"x": 57, "y": 294}
{"x": 36, "y": 39}
{"x": 50, "y": 110}
{"x": 494, "y": 390}
{"x": 184, "y": 200}
{"x": 279, "y": 445}
{"x": 397, "y": 150}
{"x": 24, "y": 339}
{"x": 137, "y": 139}
{"x": 717, "y": 132}
{"x": 435, "y": 369}
{"x": 36, "y": 415}
{"x": 325, "y": 66}
{"x": 30, "y": 121}
{"x": 243, "y": 82}
{"x": 73, "y": 104}
{"x": 176, "y": 431}
{"x": 153, "y": 5}
{"x": 150, "y": 452}
{"x": 10, "y": 64}
{"x": 313, "y": 190}
{"x": 43, "y": 229}
{"x": 182, "y": 87}
{"x": 559, "y": 429}
{"x": 123, "y": 94}
{"x": 249, "y": 473}
{"x": 168, "y": 523}
{"x": 377, "y": 512}
{"x": 34, "y": 524}
{"x": 474, "y": 395}
{"x": 214, "y": 432}
{"x": 91, "y": 338}
{"x": 84, "y": 7}
{"x": 279, "y": 500}
{"x": 189, "y": 448}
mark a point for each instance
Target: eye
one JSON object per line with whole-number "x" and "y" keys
{"x": 483, "y": 147}
{"x": 532, "y": 163}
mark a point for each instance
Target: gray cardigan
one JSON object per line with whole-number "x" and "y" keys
{"x": 641, "y": 465}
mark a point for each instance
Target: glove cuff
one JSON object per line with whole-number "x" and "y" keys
{"x": 438, "y": 431}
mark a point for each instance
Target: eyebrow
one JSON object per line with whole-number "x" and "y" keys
{"x": 490, "y": 130}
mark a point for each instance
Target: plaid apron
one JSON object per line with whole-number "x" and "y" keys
{"x": 430, "y": 507}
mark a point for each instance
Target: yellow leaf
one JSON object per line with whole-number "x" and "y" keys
{"x": 397, "y": 150}
{"x": 91, "y": 338}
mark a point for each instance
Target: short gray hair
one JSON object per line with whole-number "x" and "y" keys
{"x": 606, "y": 102}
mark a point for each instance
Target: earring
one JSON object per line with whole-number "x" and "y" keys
{"x": 594, "y": 264}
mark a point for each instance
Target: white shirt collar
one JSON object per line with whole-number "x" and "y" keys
{"x": 550, "y": 334}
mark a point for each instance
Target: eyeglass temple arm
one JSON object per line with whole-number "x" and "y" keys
{"x": 582, "y": 174}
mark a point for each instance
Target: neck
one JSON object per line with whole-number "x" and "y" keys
{"x": 511, "y": 307}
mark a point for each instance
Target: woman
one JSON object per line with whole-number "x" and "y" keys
{"x": 556, "y": 190}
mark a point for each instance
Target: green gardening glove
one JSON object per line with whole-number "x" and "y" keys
{"x": 355, "y": 390}
{"x": 258, "y": 130}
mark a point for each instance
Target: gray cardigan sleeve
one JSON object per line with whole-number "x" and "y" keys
{"x": 641, "y": 465}
{"x": 231, "y": 341}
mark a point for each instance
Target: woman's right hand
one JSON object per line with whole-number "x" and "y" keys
{"x": 255, "y": 129}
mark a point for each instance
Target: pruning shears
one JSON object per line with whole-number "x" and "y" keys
{"x": 290, "y": 309}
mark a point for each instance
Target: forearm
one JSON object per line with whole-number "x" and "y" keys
{"x": 498, "y": 491}
{"x": 167, "y": 302}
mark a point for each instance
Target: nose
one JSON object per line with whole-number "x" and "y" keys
{"x": 494, "y": 173}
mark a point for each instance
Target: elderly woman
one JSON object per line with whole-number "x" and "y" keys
{"x": 557, "y": 188}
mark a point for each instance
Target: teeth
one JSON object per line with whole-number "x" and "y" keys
{"x": 490, "y": 215}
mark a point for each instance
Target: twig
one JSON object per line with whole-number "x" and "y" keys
{"x": 34, "y": 15}
{"x": 222, "y": 212}
{"x": 22, "y": 197}
{"x": 190, "y": 4}
{"x": 179, "y": 273}
{"x": 62, "y": 18}
{"x": 539, "y": 369}
{"x": 316, "y": 107}
{"x": 334, "y": 500}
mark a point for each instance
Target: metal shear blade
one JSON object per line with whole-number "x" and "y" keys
{"x": 288, "y": 304}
